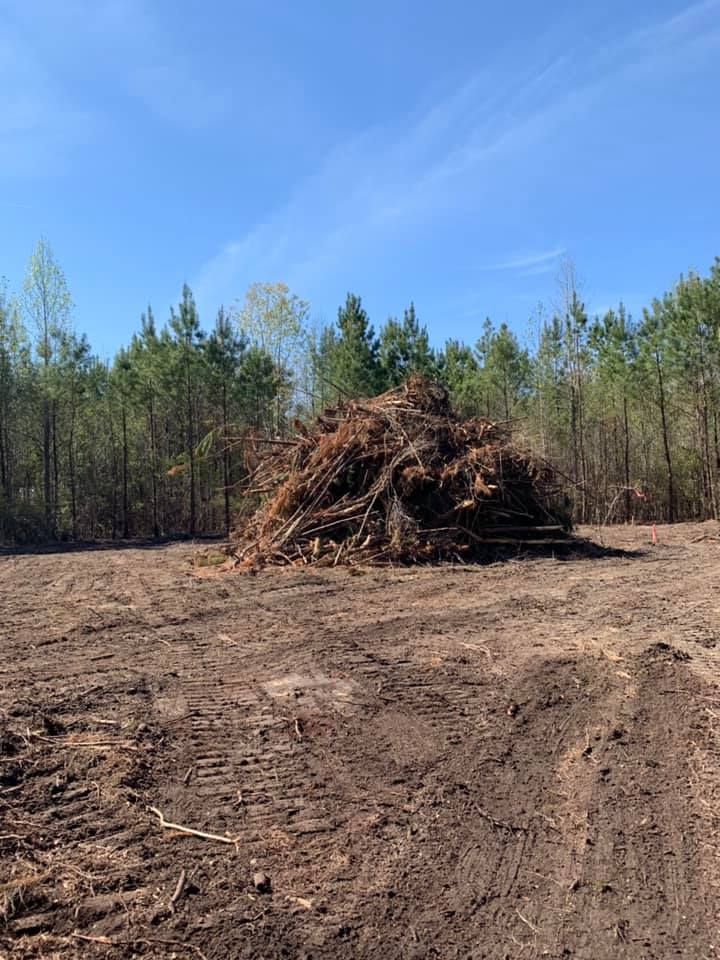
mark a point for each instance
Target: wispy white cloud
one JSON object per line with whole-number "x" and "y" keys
{"x": 683, "y": 22}
{"x": 541, "y": 262}
{"x": 370, "y": 187}
{"x": 384, "y": 187}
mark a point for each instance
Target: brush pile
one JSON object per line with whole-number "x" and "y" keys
{"x": 396, "y": 480}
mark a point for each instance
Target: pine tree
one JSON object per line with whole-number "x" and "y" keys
{"x": 405, "y": 349}
{"x": 88, "y": 450}
{"x": 323, "y": 353}
{"x": 12, "y": 339}
{"x": 355, "y": 366}
{"x": 147, "y": 359}
{"x": 225, "y": 349}
{"x": 74, "y": 364}
{"x": 613, "y": 345}
{"x": 185, "y": 325}
{"x": 652, "y": 341}
{"x": 504, "y": 371}
{"x": 458, "y": 369}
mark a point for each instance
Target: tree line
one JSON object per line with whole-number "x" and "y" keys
{"x": 626, "y": 408}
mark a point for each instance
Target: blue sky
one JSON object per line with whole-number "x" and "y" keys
{"x": 448, "y": 153}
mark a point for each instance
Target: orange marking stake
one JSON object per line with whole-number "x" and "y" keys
{"x": 653, "y": 535}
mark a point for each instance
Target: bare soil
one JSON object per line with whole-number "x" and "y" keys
{"x": 512, "y": 761}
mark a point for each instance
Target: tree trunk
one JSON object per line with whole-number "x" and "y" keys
{"x": 707, "y": 455}
{"x": 125, "y": 496}
{"x": 191, "y": 451}
{"x": 666, "y": 441}
{"x": 626, "y": 429}
{"x": 5, "y": 468}
{"x": 56, "y": 467}
{"x": 716, "y": 439}
{"x": 153, "y": 466}
{"x": 113, "y": 486}
{"x": 47, "y": 468}
{"x": 71, "y": 478}
{"x": 226, "y": 459}
{"x": 3, "y": 459}
{"x": 581, "y": 442}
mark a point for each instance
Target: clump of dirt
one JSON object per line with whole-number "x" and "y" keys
{"x": 399, "y": 479}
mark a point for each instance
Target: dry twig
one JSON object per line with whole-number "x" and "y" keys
{"x": 142, "y": 941}
{"x": 190, "y": 831}
{"x": 527, "y": 922}
{"x": 179, "y": 890}
{"x": 500, "y": 824}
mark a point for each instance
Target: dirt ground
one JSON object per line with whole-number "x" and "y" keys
{"x": 520, "y": 760}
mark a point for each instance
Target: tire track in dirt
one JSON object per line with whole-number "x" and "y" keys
{"x": 519, "y": 808}
{"x": 541, "y": 871}
{"x": 642, "y": 886}
{"x": 579, "y": 835}
{"x": 470, "y": 765}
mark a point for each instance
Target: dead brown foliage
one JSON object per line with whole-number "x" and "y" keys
{"x": 398, "y": 479}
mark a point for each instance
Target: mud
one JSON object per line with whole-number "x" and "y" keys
{"x": 513, "y": 761}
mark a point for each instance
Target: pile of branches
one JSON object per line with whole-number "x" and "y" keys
{"x": 397, "y": 479}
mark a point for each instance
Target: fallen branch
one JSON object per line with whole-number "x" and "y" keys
{"x": 98, "y": 720}
{"x": 500, "y": 824}
{"x": 190, "y": 831}
{"x": 475, "y": 646}
{"x": 68, "y": 743}
{"x": 527, "y": 922}
{"x": 179, "y": 890}
{"x": 255, "y": 918}
{"x": 143, "y": 941}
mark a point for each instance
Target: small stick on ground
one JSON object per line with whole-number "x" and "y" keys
{"x": 168, "y": 825}
{"x": 179, "y": 890}
{"x": 255, "y": 918}
{"x": 99, "y": 720}
{"x": 475, "y": 646}
{"x": 298, "y": 728}
{"x": 527, "y": 922}
{"x": 500, "y": 824}
{"x": 185, "y": 716}
{"x": 186, "y": 778}
{"x": 107, "y": 942}
{"x": 91, "y": 744}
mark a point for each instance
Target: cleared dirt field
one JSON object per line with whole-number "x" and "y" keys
{"x": 515, "y": 761}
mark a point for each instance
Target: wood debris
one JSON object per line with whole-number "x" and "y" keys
{"x": 397, "y": 479}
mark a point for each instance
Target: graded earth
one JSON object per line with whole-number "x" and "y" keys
{"x": 519, "y": 760}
